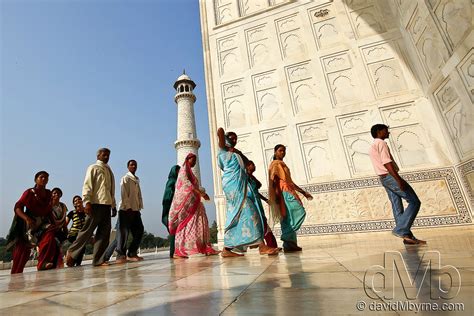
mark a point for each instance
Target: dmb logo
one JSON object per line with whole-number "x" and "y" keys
{"x": 411, "y": 277}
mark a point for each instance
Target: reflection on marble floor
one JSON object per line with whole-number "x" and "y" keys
{"x": 325, "y": 279}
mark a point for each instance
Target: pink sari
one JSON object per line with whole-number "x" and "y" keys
{"x": 187, "y": 217}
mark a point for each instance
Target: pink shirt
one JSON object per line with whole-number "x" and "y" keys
{"x": 379, "y": 154}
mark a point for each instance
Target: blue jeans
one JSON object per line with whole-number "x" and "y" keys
{"x": 403, "y": 218}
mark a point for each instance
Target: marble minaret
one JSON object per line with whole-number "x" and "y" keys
{"x": 187, "y": 137}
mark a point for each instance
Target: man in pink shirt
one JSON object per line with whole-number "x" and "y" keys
{"x": 397, "y": 188}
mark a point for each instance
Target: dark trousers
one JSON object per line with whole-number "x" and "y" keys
{"x": 113, "y": 244}
{"x": 129, "y": 221}
{"x": 100, "y": 219}
{"x": 78, "y": 260}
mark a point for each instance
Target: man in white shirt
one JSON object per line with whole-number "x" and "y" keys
{"x": 98, "y": 194}
{"x": 130, "y": 219}
{"x": 397, "y": 188}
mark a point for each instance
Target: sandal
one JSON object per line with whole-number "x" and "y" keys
{"x": 413, "y": 241}
{"x": 227, "y": 254}
{"x": 265, "y": 250}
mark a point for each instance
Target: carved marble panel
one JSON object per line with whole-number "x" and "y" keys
{"x": 312, "y": 131}
{"x": 303, "y": 89}
{"x": 400, "y": 115}
{"x": 354, "y": 129}
{"x": 366, "y": 22}
{"x": 466, "y": 71}
{"x": 235, "y": 109}
{"x": 257, "y": 45}
{"x": 269, "y": 139}
{"x": 225, "y": 11}
{"x": 461, "y": 127}
{"x": 343, "y": 87}
{"x": 276, "y": 2}
{"x": 317, "y": 155}
{"x": 379, "y": 52}
{"x": 251, "y": 6}
{"x": 408, "y": 139}
{"x": 387, "y": 77}
{"x": 410, "y": 144}
{"x": 343, "y": 84}
{"x": 416, "y": 26}
{"x": 431, "y": 50}
{"x": 317, "y": 158}
{"x": 290, "y": 36}
{"x": 245, "y": 145}
{"x": 326, "y": 29}
{"x": 267, "y": 97}
{"x": 228, "y": 54}
{"x": 384, "y": 68}
{"x": 358, "y": 4}
{"x": 337, "y": 62}
{"x": 454, "y": 18}
{"x": 446, "y": 95}
{"x": 354, "y": 123}
{"x": 357, "y": 149}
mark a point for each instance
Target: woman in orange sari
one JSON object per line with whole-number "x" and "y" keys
{"x": 285, "y": 204}
{"x": 187, "y": 217}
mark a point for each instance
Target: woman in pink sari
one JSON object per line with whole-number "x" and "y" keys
{"x": 187, "y": 217}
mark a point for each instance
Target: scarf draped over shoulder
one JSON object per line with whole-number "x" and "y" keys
{"x": 278, "y": 169}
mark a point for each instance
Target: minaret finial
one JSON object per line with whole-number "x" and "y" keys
{"x": 184, "y": 71}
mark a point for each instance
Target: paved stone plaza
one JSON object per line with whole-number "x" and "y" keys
{"x": 325, "y": 279}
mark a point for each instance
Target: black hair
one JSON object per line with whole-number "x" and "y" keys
{"x": 75, "y": 197}
{"x": 377, "y": 128}
{"x": 130, "y": 161}
{"x": 249, "y": 162}
{"x": 39, "y": 173}
{"x": 58, "y": 190}
{"x": 276, "y": 148}
{"x": 230, "y": 133}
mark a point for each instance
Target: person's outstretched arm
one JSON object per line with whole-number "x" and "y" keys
{"x": 221, "y": 138}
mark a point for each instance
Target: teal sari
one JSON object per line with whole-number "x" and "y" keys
{"x": 244, "y": 223}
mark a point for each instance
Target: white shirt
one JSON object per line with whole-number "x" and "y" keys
{"x": 99, "y": 185}
{"x": 131, "y": 192}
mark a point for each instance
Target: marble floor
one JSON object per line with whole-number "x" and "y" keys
{"x": 327, "y": 278}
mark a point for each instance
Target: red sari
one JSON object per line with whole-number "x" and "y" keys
{"x": 50, "y": 244}
{"x": 37, "y": 205}
{"x": 187, "y": 216}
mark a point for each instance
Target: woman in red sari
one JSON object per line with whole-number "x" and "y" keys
{"x": 55, "y": 232}
{"x": 33, "y": 207}
{"x": 187, "y": 217}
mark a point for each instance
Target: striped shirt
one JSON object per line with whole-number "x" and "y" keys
{"x": 78, "y": 219}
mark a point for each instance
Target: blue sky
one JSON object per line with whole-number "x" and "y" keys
{"x": 79, "y": 75}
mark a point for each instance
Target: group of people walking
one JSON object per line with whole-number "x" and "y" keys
{"x": 246, "y": 224}
{"x": 41, "y": 220}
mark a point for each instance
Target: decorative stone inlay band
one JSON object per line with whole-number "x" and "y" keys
{"x": 464, "y": 169}
{"x": 461, "y": 213}
{"x": 187, "y": 143}
{"x": 184, "y": 95}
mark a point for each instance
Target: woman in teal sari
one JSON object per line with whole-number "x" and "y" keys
{"x": 167, "y": 199}
{"x": 244, "y": 224}
{"x": 285, "y": 204}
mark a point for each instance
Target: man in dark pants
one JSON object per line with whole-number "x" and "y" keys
{"x": 130, "y": 219}
{"x": 98, "y": 194}
{"x": 397, "y": 188}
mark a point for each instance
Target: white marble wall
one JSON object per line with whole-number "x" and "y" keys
{"x": 316, "y": 75}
